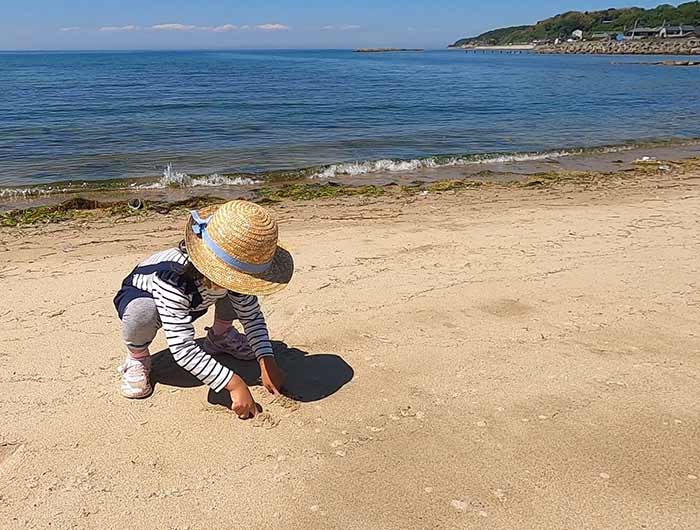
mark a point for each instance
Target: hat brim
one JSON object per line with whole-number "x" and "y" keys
{"x": 274, "y": 279}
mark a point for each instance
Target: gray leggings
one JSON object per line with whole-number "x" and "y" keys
{"x": 141, "y": 321}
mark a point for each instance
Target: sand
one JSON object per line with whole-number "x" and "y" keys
{"x": 495, "y": 358}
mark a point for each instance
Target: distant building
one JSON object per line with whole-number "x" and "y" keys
{"x": 577, "y": 34}
{"x": 663, "y": 32}
{"x": 602, "y": 35}
{"x": 675, "y": 32}
{"x": 642, "y": 33}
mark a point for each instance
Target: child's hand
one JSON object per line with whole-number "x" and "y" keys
{"x": 272, "y": 375}
{"x": 242, "y": 400}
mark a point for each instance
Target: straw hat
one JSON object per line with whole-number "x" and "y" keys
{"x": 235, "y": 246}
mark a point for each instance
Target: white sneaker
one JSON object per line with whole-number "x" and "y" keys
{"x": 230, "y": 343}
{"x": 135, "y": 380}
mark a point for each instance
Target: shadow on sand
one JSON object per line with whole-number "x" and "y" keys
{"x": 310, "y": 377}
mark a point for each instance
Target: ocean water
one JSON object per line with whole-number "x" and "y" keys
{"x": 237, "y": 117}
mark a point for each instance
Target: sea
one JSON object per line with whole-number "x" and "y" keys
{"x": 225, "y": 119}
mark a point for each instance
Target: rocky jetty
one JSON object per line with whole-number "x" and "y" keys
{"x": 690, "y": 46}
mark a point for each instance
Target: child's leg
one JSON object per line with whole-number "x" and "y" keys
{"x": 225, "y": 339}
{"x": 224, "y": 315}
{"x": 140, "y": 323}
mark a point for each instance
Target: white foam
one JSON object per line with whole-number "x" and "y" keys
{"x": 393, "y": 166}
{"x": 178, "y": 179}
{"x": 374, "y": 166}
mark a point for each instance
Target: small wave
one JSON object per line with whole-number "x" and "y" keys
{"x": 393, "y": 166}
{"x": 170, "y": 179}
{"x": 178, "y": 179}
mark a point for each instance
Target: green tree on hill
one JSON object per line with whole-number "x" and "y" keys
{"x": 610, "y": 20}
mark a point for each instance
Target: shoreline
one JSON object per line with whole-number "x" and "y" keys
{"x": 498, "y": 167}
{"x": 82, "y": 207}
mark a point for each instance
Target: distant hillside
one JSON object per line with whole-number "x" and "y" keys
{"x": 610, "y": 20}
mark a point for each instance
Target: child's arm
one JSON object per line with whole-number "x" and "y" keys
{"x": 251, "y": 317}
{"x": 174, "y": 310}
{"x": 248, "y": 310}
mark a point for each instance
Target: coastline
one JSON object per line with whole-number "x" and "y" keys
{"x": 174, "y": 186}
{"x": 545, "y": 338}
{"x": 576, "y": 171}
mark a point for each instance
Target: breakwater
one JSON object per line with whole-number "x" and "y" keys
{"x": 687, "y": 46}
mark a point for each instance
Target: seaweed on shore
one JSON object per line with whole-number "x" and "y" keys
{"x": 451, "y": 185}
{"x": 542, "y": 179}
{"x": 80, "y": 207}
{"x": 306, "y": 192}
{"x": 69, "y": 209}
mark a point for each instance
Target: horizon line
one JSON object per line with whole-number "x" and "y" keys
{"x": 99, "y": 50}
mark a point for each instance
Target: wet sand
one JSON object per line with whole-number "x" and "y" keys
{"x": 496, "y": 358}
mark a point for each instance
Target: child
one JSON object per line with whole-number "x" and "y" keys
{"x": 229, "y": 255}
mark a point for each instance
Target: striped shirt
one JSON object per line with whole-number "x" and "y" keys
{"x": 179, "y": 303}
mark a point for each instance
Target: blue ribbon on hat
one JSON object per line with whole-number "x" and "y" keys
{"x": 199, "y": 227}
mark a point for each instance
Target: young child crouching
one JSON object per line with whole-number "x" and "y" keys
{"x": 230, "y": 255}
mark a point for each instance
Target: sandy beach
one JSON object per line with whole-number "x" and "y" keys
{"x": 498, "y": 357}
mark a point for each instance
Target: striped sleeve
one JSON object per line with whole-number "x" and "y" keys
{"x": 251, "y": 317}
{"x": 174, "y": 310}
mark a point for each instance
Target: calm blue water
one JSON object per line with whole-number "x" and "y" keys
{"x": 94, "y": 116}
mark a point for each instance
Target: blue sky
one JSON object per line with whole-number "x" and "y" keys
{"x": 188, "y": 24}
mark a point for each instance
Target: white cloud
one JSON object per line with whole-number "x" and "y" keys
{"x": 327, "y": 28}
{"x": 191, "y": 27}
{"x": 225, "y": 27}
{"x": 173, "y": 27}
{"x": 72, "y": 28}
{"x": 272, "y": 27}
{"x": 119, "y": 28}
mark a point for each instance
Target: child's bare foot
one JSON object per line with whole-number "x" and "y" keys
{"x": 135, "y": 378}
{"x": 230, "y": 343}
